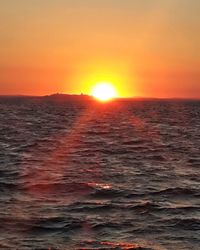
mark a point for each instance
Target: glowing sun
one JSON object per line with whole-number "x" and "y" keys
{"x": 104, "y": 91}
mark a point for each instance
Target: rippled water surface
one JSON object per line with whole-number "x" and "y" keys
{"x": 83, "y": 175}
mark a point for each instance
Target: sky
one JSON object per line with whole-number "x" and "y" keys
{"x": 144, "y": 47}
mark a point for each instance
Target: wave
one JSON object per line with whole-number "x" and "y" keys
{"x": 177, "y": 191}
{"x": 58, "y": 187}
{"x": 56, "y": 224}
{"x": 191, "y": 224}
{"x": 91, "y": 245}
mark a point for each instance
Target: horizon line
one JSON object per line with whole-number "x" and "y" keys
{"x": 116, "y": 98}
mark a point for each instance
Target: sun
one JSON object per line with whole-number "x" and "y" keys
{"x": 104, "y": 91}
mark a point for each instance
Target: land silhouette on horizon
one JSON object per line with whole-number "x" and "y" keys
{"x": 79, "y": 97}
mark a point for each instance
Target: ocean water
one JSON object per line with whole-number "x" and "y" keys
{"x": 85, "y": 175}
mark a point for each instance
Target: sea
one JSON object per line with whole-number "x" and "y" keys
{"x": 83, "y": 175}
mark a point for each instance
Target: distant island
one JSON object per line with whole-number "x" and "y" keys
{"x": 49, "y": 98}
{"x": 60, "y": 97}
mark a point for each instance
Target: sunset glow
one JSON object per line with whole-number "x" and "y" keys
{"x": 144, "y": 48}
{"x": 104, "y": 91}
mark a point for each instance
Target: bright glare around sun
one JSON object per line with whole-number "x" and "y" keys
{"x": 104, "y": 91}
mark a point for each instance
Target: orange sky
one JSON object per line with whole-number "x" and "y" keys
{"x": 146, "y": 48}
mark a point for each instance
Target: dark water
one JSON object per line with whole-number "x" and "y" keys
{"x": 83, "y": 175}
